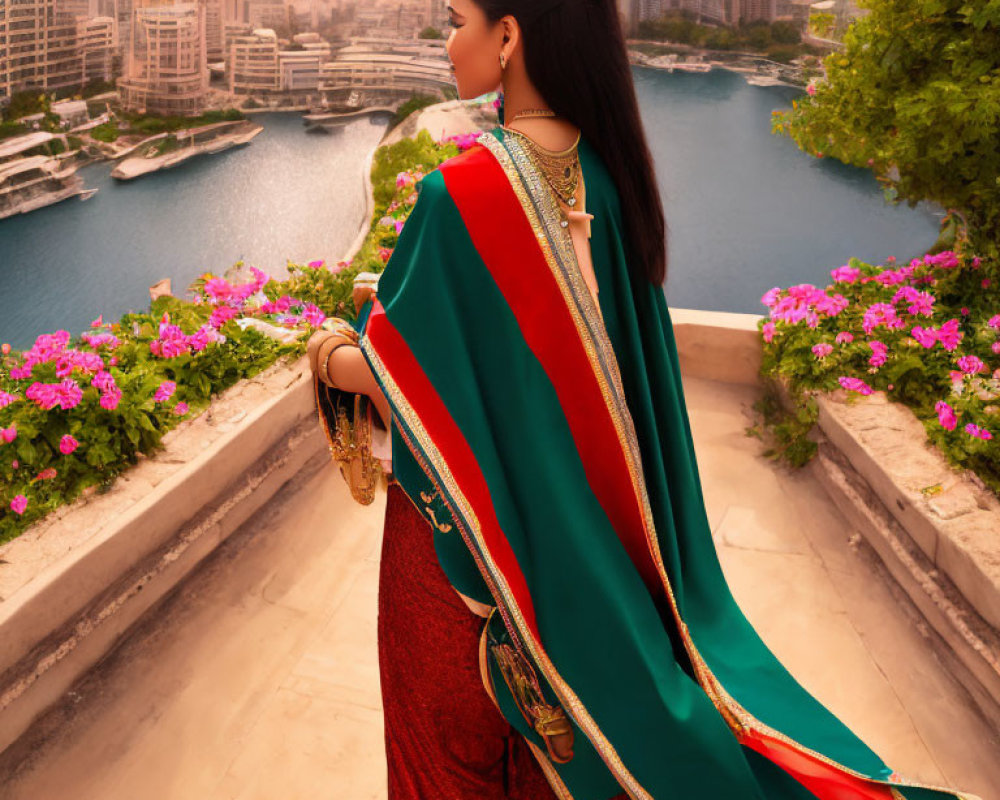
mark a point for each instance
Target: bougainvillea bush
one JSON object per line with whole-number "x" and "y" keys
{"x": 75, "y": 411}
{"x": 926, "y": 333}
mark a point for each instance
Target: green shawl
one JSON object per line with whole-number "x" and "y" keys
{"x": 552, "y": 457}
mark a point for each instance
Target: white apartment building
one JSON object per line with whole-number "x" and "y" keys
{"x": 97, "y": 41}
{"x": 257, "y": 63}
{"x": 252, "y": 63}
{"x": 166, "y": 71}
{"x": 383, "y": 71}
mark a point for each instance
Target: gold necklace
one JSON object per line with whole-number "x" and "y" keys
{"x": 560, "y": 168}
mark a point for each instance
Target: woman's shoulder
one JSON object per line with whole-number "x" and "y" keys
{"x": 473, "y": 167}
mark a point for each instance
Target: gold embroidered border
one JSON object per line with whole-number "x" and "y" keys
{"x": 556, "y": 782}
{"x": 540, "y": 207}
{"x": 471, "y": 531}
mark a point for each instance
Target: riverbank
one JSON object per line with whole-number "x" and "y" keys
{"x": 756, "y": 68}
{"x": 208, "y": 139}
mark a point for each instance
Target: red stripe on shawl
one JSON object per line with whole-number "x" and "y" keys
{"x": 401, "y": 364}
{"x": 506, "y": 242}
{"x": 824, "y": 780}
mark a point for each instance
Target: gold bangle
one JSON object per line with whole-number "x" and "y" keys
{"x": 324, "y": 373}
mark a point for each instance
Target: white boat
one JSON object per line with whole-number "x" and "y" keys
{"x": 692, "y": 66}
{"x": 134, "y": 167}
{"x": 87, "y": 194}
{"x": 766, "y": 80}
{"x": 30, "y": 183}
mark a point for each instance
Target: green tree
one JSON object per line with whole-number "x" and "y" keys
{"x": 757, "y": 35}
{"x": 785, "y": 33}
{"x": 916, "y": 97}
{"x": 430, "y": 32}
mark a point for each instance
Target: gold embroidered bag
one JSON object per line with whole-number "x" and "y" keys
{"x": 347, "y": 421}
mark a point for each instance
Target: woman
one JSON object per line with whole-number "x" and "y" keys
{"x": 521, "y": 346}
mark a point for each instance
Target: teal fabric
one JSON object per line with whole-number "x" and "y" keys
{"x": 599, "y": 626}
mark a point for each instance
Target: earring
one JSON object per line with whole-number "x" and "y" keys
{"x": 503, "y": 61}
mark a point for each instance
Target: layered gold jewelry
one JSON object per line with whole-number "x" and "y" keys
{"x": 323, "y": 369}
{"x": 560, "y": 168}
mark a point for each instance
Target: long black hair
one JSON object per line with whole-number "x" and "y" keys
{"x": 575, "y": 55}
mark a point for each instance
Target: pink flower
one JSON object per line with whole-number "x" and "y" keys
{"x": 811, "y": 89}
{"x": 985, "y": 282}
{"x": 946, "y": 415}
{"x": 854, "y": 384}
{"x": 6, "y": 398}
{"x": 770, "y": 297}
{"x": 181, "y": 409}
{"x": 822, "y": 350}
{"x": 221, "y": 315}
{"x": 279, "y": 306}
{"x": 67, "y": 444}
{"x": 316, "y": 264}
{"x": 994, "y": 321}
{"x": 219, "y": 289}
{"x": 172, "y": 341}
{"x": 768, "y": 330}
{"x": 878, "y": 314}
{"x": 109, "y": 400}
{"x": 844, "y": 337}
{"x": 845, "y": 274}
{"x": 313, "y": 315}
{"x": 164, "y": 391}
{"x": 69, "y": 360}
{"x": 995, "y": 347}
{"x": 970, "y": 365}
{"x": 8, "y": 435}
{"x": 919, "y": 302}
{"x": 96, "y": 340}
{"x": 110, "y": 393}
{"x": 926, "y": 336}
{"x": 945, "y": 260}
{"x": 66, "y": 394}
{"x": 880, "y": 353}
{"x": 97, "y": 323}
{"x": 949, "y": 335}
{"x": 399, "y": 226}
{"x": 5, "y": 349}
{"x": 18, "y": 504}
{"x": 978, "y": 432}
{"x": 385, "y": 253}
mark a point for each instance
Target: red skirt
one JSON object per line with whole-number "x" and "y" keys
{"x": 444, "y": 737}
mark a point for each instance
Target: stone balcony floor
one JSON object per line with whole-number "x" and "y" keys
{"x": 258, "y": 679}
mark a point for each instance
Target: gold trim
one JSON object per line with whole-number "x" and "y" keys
{"x": 551, "y": 775}
{"x": 506, "y": 604}
{"x": 558, "y": 787}
{"x": 539, "y": 205}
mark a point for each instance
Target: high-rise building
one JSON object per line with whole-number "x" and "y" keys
{"x": 213, "y": 30}
{"x": 166, "y": 70}
{"x": 96, "y": 39}
{"x": 265, "y": 13}
{"x": 758, "y": 9}
{"x": 38, "y": 47}
{"x": 252, "y": 65}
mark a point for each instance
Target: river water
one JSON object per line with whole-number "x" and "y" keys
{"x": 746, "y": 211}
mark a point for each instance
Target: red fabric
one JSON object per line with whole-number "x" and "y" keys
{"x": 822, "y": 779}
{"x": 401, "y": 364}
{"x": 506, "y": 242}
{"x": 444, "y": 737}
